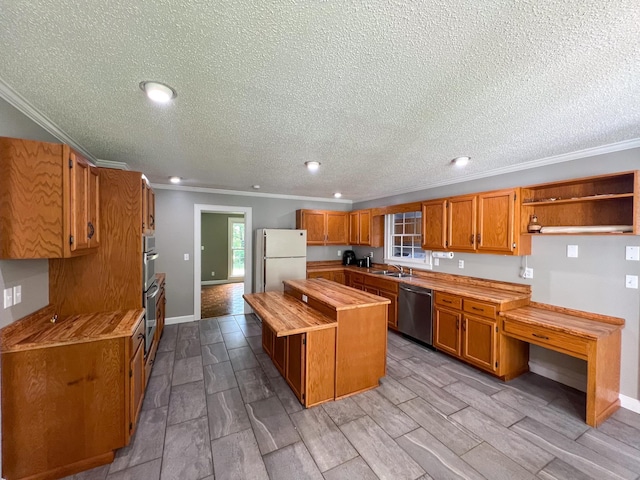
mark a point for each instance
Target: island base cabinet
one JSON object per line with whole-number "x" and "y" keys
{"x": 63, "y": 408}
{"x": 306, "y": 361}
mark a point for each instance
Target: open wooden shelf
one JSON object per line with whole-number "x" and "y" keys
{"x": 592, "y": 201}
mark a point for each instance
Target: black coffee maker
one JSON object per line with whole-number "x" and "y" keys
{"x": 349, "y": 257}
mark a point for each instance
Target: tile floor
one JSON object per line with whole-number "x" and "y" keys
{"x": 217, "y": 407}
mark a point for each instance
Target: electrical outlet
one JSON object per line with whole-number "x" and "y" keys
{"x": 631, "y": 281}
{"x": 436, "y": 262}
{"x": 371, "y": 254}
{"x": 8, "y": 297}
{"x": 572, "y": 251}
{"x": 632, "y": 253}
{"x": 186, "y": 257}
{"x": 339, "y": 253}
{"x": 460, "y": 263}
{"x": 528, "y": 273}
{"x": 305, "y": 299}
{"x": 17, "y": 294}
{"x": 213, "y": 274}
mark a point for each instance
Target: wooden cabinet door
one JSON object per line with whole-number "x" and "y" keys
{"x": 392, "y": 319}
{"x": 462, "y": 223}
{"x": 79, "y": 202}
{"x": 446, "y": 333}
{"x": 314, "y": 222}
{"x": 434, "y": 225}
{"x": 354, "y": 228}
{"x": 144, "y": 192}
{"x": 136, "y": 386}
{"x": 268, "y": 339}
{"x": 94, "y": 207}
{"x": 479, "y": 342}
{"x": 337, "y": 228}
{"x": 339, "y": 277}
{"x": 496, "y": 225}
{"x": 151, "y": 210}
{"x": 296, "y": 363}
{"x": 365, "y": 227}
{"x": 325, "y": 275}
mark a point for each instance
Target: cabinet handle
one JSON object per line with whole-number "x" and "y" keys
{"x": 540, "y": 336}
{"x": 447, "y": 301}
{"x": 153, "y": 221}
{"x": 464, "y": 325}
{"x": 478, "y": 238}
{"x": 141, "y": 336}
{"x": 478, "y": 309}
{"x": 457, "y": 323}
{"x": 471, "y": 239}
{"x": 92, "y": 230}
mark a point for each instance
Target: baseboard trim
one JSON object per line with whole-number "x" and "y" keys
{"x": 566, "y": 377}
{"x": 630, "y": 403}
{"x": 176, "y": 320}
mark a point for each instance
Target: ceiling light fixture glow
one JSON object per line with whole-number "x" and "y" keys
{"x": 460, "y": 161}
{"x": 158, "y": 92}
{"x": 337, "y": 195}
{"x": 175, "y": 179}
{"x": 312, "y": 166}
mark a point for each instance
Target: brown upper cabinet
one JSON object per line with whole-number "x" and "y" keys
{"x": 49, "y": 201}
{"x": 148, "y": 208}
{"x": 324, "y": 227}
{"x": 366, "y": 229}
{"x": 484, "y": 223}
{"x": 602, "y": 201}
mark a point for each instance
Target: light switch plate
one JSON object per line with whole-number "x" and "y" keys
{"x": 632, "y": 253}
{"x": 17, "y": 294}
{"x": 572, "y": 251}
{"x": 631, "y": 281}
{"x": 528, "y": 273}
{"x": 8, "y": 297}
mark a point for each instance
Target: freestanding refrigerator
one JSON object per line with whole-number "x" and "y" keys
{"x": 281, "y": 255}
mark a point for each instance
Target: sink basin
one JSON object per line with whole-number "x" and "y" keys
{"x": 398, "y": 275}
{"x": 381, "y": 272}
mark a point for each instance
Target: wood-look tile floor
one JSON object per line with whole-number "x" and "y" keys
{"x": 217, "y": 407}
{"x": 219, "y": 300}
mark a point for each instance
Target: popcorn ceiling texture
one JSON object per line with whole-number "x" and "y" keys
{"x": 383, "y": 93}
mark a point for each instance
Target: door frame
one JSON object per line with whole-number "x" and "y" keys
{"x": 198, "y": 210}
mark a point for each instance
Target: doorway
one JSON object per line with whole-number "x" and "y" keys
{"x": 222, "y": 260}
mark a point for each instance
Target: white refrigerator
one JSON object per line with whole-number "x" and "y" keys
{"x": 281, "y": 255}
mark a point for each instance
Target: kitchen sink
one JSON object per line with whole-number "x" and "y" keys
{"x": 398, "y": 275}
{"x": 381, "y": 272}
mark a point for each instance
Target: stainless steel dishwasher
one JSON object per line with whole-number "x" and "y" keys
{"x": 415, "y": 313}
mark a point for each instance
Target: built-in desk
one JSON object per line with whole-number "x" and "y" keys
{"x": 327, "y": 340}
{"x": 588, "y": 336}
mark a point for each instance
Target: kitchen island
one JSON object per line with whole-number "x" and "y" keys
{"x": 327, "y": 340}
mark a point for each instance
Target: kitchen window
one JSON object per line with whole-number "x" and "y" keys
{"x": 403, "y": 239}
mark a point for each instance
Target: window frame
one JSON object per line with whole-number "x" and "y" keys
{"x": 389, "y": 229}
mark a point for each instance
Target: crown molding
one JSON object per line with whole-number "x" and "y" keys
{"x": 564, "y": 157}
{"x": 19, "y": 102}
{"x": 112, "y": 164}
{"x": 162, "y": 186}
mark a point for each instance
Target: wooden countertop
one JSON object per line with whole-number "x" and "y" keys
{"x": 335, "y": 295}
{"x": 586, "y": 325}
{"x": 286, "y": 315}
{"x": 505, "y": 295}
{"x": 37, "y": 331}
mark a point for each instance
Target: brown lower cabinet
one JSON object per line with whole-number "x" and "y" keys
{"x": 469, "y": 330}
{"x": 305, "y": 360}
{"x": 387, "y": 289}
{"x": 336, "y": 276}
{"x": 67, "y": 405}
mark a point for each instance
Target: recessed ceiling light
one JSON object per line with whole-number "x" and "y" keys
{"x": 158, "y": 92}
{"x": 175, "y": 179}
{"x": 255, "y": 187}
{"x": 337, "y": 195}
{"x": 312, "y": 166}
{"x": 460, "y": 161}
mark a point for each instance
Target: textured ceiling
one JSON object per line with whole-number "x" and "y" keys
{"x": 383, "y": 93}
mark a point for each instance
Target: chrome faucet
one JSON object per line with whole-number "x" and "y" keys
{"x": 399, "y": 267}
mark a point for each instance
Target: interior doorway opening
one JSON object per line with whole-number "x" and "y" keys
{"x": 222, "y": 260}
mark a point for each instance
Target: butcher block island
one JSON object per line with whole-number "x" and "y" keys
{"x": 327, "y": 340}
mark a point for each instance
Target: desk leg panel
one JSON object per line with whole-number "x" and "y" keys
{"x": 603, "y": 382}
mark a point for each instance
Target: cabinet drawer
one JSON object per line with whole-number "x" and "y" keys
{"x": 356, "y": 277}
{"x": 480, "y": 308}
{"x": 546, "y": 337}
{"x": 381, "y": 283}
{"x": 451, "y": 301}
{"x": 138, "y": 336}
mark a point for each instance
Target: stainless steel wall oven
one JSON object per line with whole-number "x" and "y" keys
{"x": 149, "y": 289}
